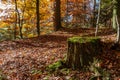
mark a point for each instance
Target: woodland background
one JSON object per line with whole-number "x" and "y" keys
{"x": 34, "y": 38}
{"x": 19, "y": 19}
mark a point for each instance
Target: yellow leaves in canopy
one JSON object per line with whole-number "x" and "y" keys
{"x": 26, "y": 25}
{"x": 44, "y": 9}
{"x": 27, "y": 10}
{"x": 77, "y": 0}
{"x": 4, "y": 24}
{"x": 30, "y": 35}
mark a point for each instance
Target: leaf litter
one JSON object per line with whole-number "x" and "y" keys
{"x": 27, "y": 59}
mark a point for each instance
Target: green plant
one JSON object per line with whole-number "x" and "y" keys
{"x": 36, "y": 71}
{"x": 98, "y": 72}
{"x": 55, "y": 66}
{"x": 6, "y": 34}
{"x": 46, "y": 78}
{"x": 2, "y": 76}
{"x": 65, "y": 71}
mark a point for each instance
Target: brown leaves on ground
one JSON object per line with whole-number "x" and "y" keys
{"x": 27, "y": 59}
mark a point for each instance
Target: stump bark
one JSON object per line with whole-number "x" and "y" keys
{"x": 81, "y": 51}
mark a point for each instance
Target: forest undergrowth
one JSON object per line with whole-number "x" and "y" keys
{"x": 28, "y": 59}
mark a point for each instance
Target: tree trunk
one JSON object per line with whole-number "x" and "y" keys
{"x": 22, "y": 18}
{"x": 118, "y": 21}
{"x": 81, "y": 51}
{"x": 38, "y": 18}
{"x": 114, "y": 17}
{"x": 67, "y": 13}
{"x": 57, "y": 14}
{"x": 15, "y": 20}
{"x": 19, "y": 22}
{"x": 97, "y": 23}
{"x": 94, "y": 14}
{"x": 18, "y": 18}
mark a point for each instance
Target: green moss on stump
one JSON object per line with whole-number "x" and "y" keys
{"x": 81, "y": 51}
{"x": 84, "y": 39}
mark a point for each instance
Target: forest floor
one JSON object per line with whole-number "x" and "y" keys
{"x": 27, "y": 59}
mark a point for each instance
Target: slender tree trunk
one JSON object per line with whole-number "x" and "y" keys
{"x": 19, "y": 21}
{"x": 118, "y": 20}
{"x": 38, "y": 18}
{"x": 57, "y": 14}
{"x": 85, "y": 9}
{"x": 67, "y": 13}
{"x": 15, "y": 25}
{"x": 22, "y": 17}
{"x": 93, "y": 20}
{"x": 97, "y": 23}
{"x": 114, "y": 17}
{"x": 118, "y": 30}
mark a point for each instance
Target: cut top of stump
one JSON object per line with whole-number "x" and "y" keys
{"x": 84, "y": 39}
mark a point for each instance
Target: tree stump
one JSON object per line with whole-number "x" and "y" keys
{"x": 81, "y": 51}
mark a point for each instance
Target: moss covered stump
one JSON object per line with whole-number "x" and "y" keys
{"x": 81, "y": 51}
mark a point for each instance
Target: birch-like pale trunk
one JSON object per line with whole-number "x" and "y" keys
{"x": 98, "y": 17}
{"x": 118, "y": 20}
{"x": 114, "y": 24}
{"x": 118, "y": 31}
